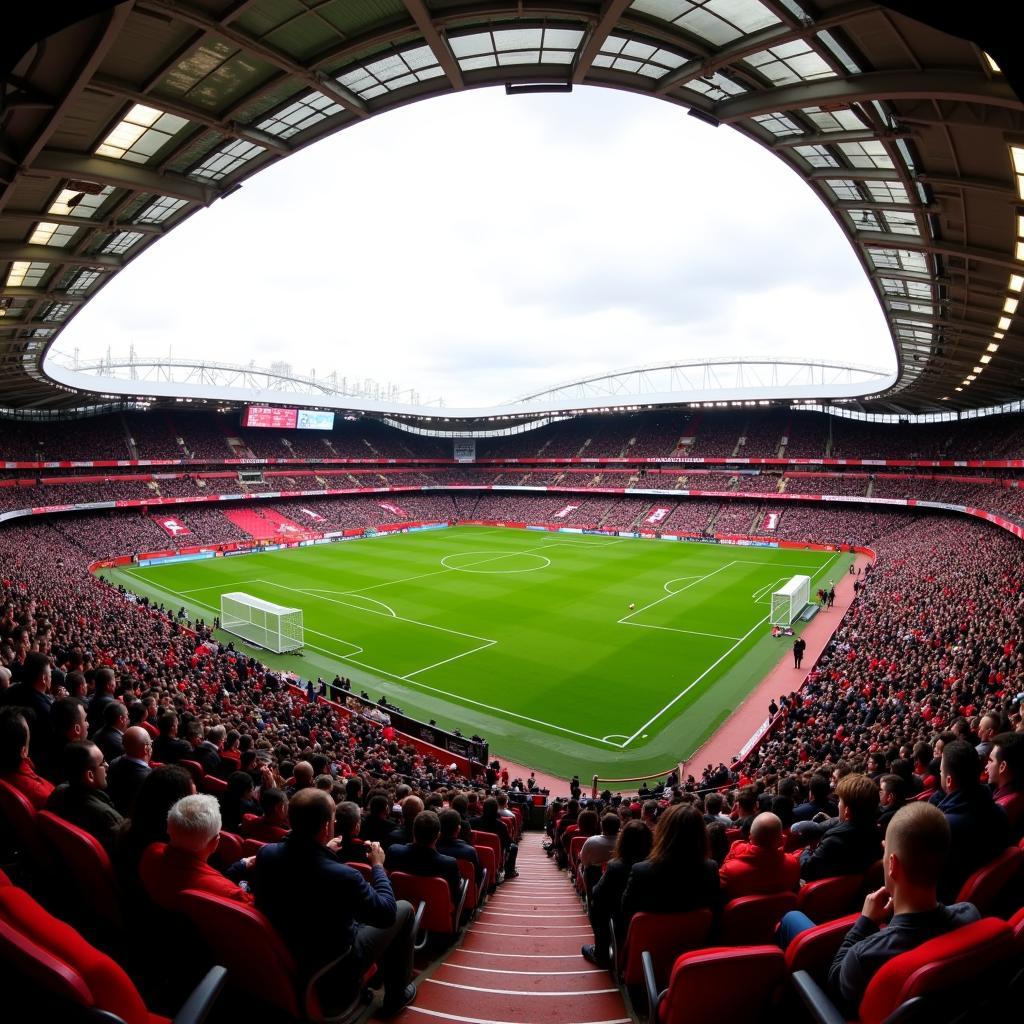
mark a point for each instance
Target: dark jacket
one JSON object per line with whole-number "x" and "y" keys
{"x": 426, "y": 862}
{"x": 302, "y": 888}
{"x": 110, "y": 740}
{"x": 661, "y": 889}
{"x": 206, "y": 754}
{"x": 36, "y": 706}
{"x": 124, "y": 780}
{"x": 171, "y": 750}
{"x": 845, "y": 849}
{"x": 979, "y": 829}
{"x": 606, "y": 898}
{"x": 462, "y": 851}
{"x": 379, "y": 830}
{"x": 89, "y": 809}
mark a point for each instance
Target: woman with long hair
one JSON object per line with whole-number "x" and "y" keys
{"x": 632, "y": 846}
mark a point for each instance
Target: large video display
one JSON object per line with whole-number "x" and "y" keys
{"x": 281, "y": 418}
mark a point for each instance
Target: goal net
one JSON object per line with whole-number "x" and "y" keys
{"x": 790, "y": 600}
{"x": 261, "y": 622}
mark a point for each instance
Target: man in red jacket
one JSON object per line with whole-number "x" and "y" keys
{"x": 759, "y": 867}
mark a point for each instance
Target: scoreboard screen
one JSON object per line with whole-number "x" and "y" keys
{"x": 280, "y": 418}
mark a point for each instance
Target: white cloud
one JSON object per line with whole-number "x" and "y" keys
{"x": 480, "y": 246}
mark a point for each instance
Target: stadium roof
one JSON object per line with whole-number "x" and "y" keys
{"x": 116, "y": 128}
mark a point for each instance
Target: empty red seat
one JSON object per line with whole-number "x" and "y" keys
{"x": 474, "y": 893}
{"x": 64, "y": 970}
{"x": 829, "y": 898}
{"x": 751, "y": 920}
{"x": 214, "y": 785}
{"x": 17, "y": 811}
{"x": 664, "y": 937}
{"x": 987, "y": 886}
{"x": 489, "y": 862}
{"x": 710, "y": 986}
{"x": 432, "y": 898}
{"x": 493, "y": 843}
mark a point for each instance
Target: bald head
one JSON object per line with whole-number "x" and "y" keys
{"x": 766, "y": 831}
{"x": 309, "y": 811}
{"x": 411, "y": 806}
{"x": 303, "y": 774}
{"x": 137, "y": 743}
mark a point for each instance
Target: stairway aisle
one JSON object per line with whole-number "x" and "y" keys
{"x": 519, "y": 961}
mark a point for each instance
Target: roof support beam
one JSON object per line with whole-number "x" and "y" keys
{"x": 97, "y": 224}
{"x": 611, "y": 11}
{"x": 835, "y": 138}
{"x": 992, "y": 257}
{"x": 942, "y": 183}
{"x": 196, "y": 17}
{"x": 232, "y": 129}
{"x": 854, "y": 174}
{"x": 967, "y": 87}
{"x": 849, "y": 204}
{"x": 437, "y": 43}
{"x": 37, "y": 295}
{"x": 57, "y": 164}
{"x": 54, "y": 254}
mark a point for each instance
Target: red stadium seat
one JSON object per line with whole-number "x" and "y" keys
{"x": 751, "y": 920}
{"x": 87, "y": 864}
{"x": 70, "y": 978}
{"x": 473, "y": 893}
{"x": 213, "y": 785}
{"x": 229, "y": 849}
{"x": 195, "y": 769}
{"x": 711, "y": 986}
{"x": 814, "y": 950}
{"x": 257, "y": 961}
{"x": 364, "y": 869}
{"x": 829, "y": 898}
{"x": 664, "y": 937}
{"x": 436, "y": 914}
{"x": 250, "y": 847}
{"x": 937, "y": 981}
{"x": 17, "y": 811}
{"x": 489, "y": 861}
{"x": 986, "y": 888}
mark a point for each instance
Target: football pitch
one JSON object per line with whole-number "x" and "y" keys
{"x": 525, "y": 637}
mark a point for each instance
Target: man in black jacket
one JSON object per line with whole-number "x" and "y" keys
{"x": 167, "y": 748}
{"x": 33, "y": 694}
{"x": 421, "y": 858}
{"x": 127, "y": 773}
{"x": 451, "y": 845}
{"x": 851, "y": 845}
{"x": 82, "y": 800}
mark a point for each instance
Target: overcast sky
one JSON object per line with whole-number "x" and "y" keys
{"x": 478, "y": 247}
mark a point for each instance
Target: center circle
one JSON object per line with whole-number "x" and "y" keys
{"x": 489, "y": 564}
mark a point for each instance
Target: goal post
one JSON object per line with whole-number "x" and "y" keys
{"x": 260, "y": 622}
{"x": 789, "y": 601}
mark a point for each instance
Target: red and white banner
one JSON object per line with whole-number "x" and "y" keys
{"x": 771, "y": 520}
{"x": 172, "y": 525}
{"x": 567, "y": 511}
{"x": 657, "y": 515}
{"x": 391, "y": 507}
{"x": 315, "y": 516}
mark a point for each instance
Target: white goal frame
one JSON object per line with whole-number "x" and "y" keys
{"x": 789, "y": 601}
{"x": 262, "y": 623}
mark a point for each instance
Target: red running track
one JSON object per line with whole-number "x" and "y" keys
{"x": 519, "y": 961}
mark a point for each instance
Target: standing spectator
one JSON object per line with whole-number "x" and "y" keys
{"x": 799, "y": 646}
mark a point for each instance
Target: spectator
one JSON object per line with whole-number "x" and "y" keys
{"x": 598, "y": 849}
{"x": 451, "y": 845}
{"x": 272, "y": 824}
{"x": 420, "y": 857}
{"x": 299, "y": 884}
{"x": 83, "y": 800}
{"x": 490, "y": 822}
{"x": 128, "y": 772}
{"x": 205, "y": 751}
{"x": 167, "y": 748}
{"x": 978, "y": 826}
{"x": 892, "y": 795}
{"x": 16, "y": 768}
{"x": 851, "y": 845}
{"x": 351, "y": 849}
{"x": 32, "y": 694}
{"x": 237, "y": 801}
{"x": 110, "y": 736}
{"x": 103, "y": 694}
{"x": 633, "y": 845}
{"x": 167, "y": 870}
{"x": 760, "y": 867}
{"x": 1006, "y": 777}
{"x": 377, "y": 826}
{"x": 713, "y": 804}
{"x": 819, "y": 802}
{"x": 68, "y": 723}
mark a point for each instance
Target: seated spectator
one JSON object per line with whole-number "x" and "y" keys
{"x": 205, "y": 750}
{"x": 713, "y": 804}
{"x": 744, "y": 810}
{"x": 237, "y": 801}
{"x": 127, "y": 772}
{"x": 272, "y": 825}
{"x": 819, "y": 802}
{"x": 68, "y": 722}
{"x": 83, "y": 800}
{"x": 451, "y": 845}
{"x": 851, "y": 845}
{"x": 110, "y": 736}
{"x": 632, "y": 846}
{"x": 32, "y": 694}
{"x": 599, "y": 849}
{"x": 104, "y": 684}
{"x": 420, "y": 857}
{"x": 299, "y": 884}
{"x": 760, "y": 867}
{"x": 167, "y": 870}
{"x": 1006, "y": 777}
{"x": 167, "y": 748}
{"x": 978, "y": 826}
{"x": 377, "y": 826}
{"x": 347, "y": 819}
{"x": 505, "y": 814}
{"x": 917, "y": 843}
{"x": 490, "y": 822}
{"x": 892, "y": 795}
{"x": 303, "y": 775}
{"x": 16, "y": 768}
{"x": 410, "y": 808}
{"x": 677, "y": 876}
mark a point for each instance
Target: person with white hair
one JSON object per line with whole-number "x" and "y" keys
{"x": 168, "y": 869}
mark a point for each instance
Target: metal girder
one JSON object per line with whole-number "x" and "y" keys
{"x": 232, "y": 129}
{"x": 755, "y": 42}
{"x": 854, "y": 174}
{"x": 194, "y": 16}
{"x": 54, "y": 254}
{"x": 120, "y": 174}
{"x": 40, "y": 295}
{"x": 611, "y": 11}
{"x": 967, "y": 184}
{"x": 835, "y": 138}
{"x": 851, "y": 204}
{"x": 437, "y": 43}
{"x": 993, "y": 257}
{"x": 965, "y": 86}
{"x": 97, "y": 224}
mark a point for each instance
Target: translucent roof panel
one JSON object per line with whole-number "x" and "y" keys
{"x": 779, "y": 125}
{"x": 26, "y": 273}
{"x": 715, "y": 21}
{"x": 866, "y": 154}
{"x": 229, "y": 158}
{"x": 717, "y": 86}
{"x": 83, "y": 282}
{"x": 898, "y": 259}
{"x": 789, "y": 63}
{"x": 901, "y": 222}
{"x": 395, "y": 71}
{"x": 844, "y": 190}
{"x": 159, "y": 210}
{"x": 817, "y": 156}
{"x": 637, "y": 57}
{"x": 311, "y": 109}
{"x": 897, "y": 287}
{"x": 122, "y": 242}
{"x": 141, "y": 133}
{"x": 833, "y": 120}
{"x": 865, "y": 220}
{"x": 887, "y": 192}
{"x": 47, "y": 233}
{"x": 506, "y": 47}
{"x": 58, "y": 311}
{"x": 85, "y": 205}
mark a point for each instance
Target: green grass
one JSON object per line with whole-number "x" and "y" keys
{"x": 525, "y": 637}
